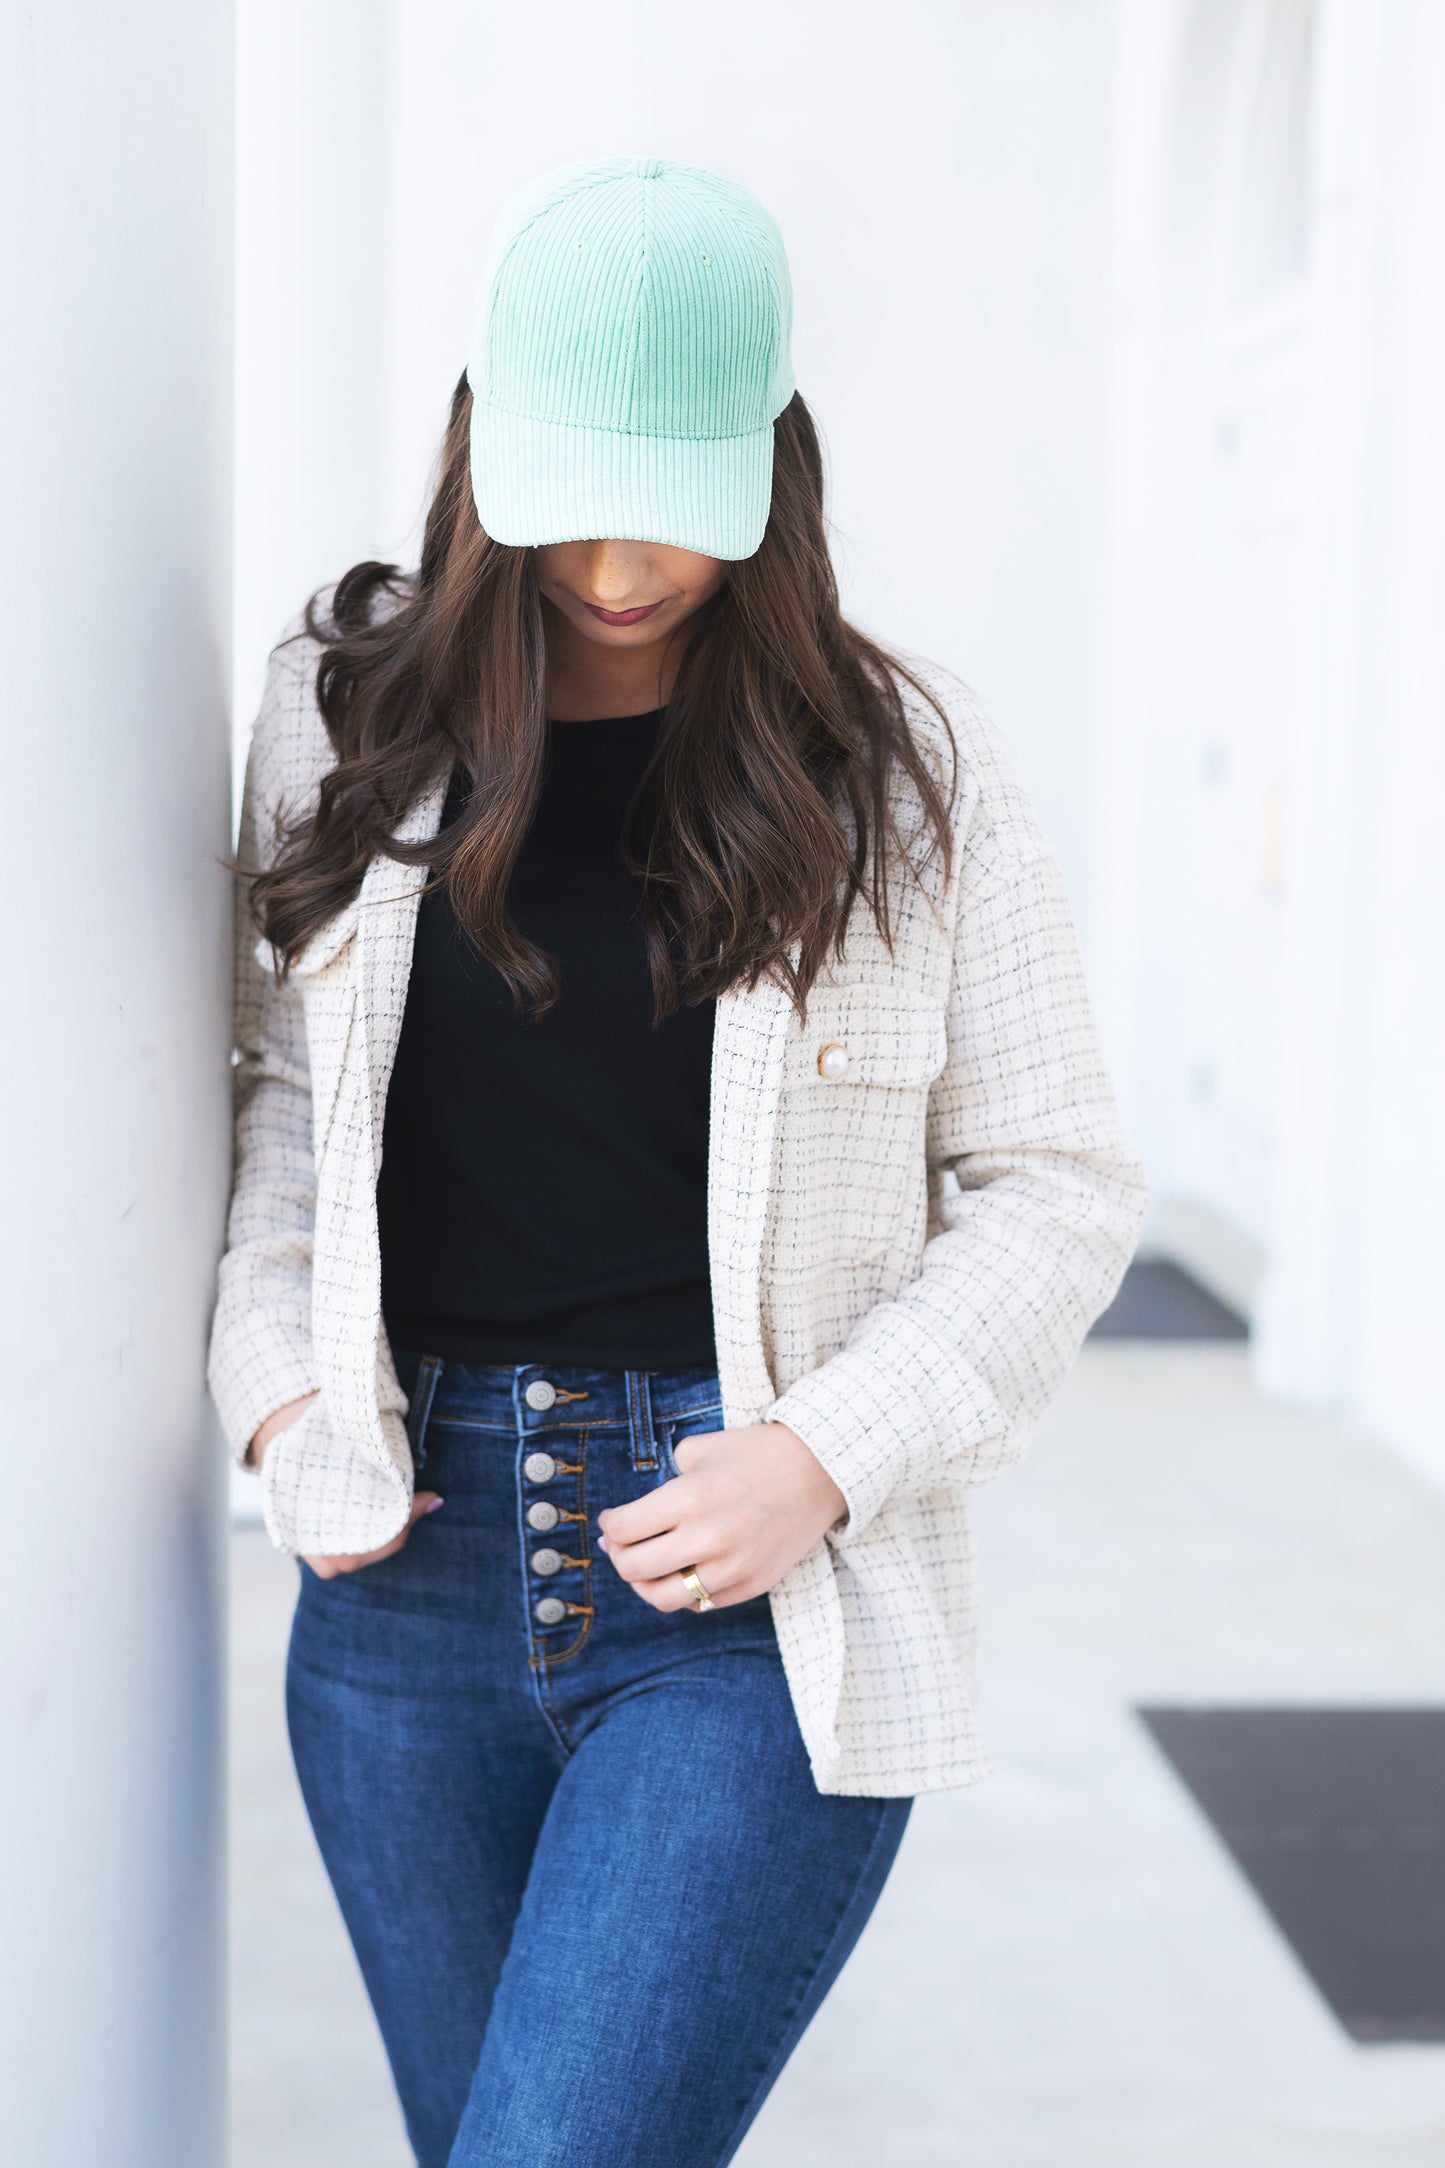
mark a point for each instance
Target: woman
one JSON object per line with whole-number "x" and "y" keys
{"x": 674, "y": 1165}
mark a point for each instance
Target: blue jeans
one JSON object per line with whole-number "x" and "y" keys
{"x": 595, "y": 1895}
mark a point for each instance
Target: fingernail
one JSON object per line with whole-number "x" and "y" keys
{"x": 433, "y": 1506}
{"x": 602, "y": 1543}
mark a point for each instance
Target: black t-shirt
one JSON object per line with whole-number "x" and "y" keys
{"x": 543, "y": 1191}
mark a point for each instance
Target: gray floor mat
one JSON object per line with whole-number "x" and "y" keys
{"x": 1337, "y": 1819}
{"x": 1159, "y": 1302}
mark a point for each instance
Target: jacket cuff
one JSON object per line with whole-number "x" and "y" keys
{"x": 274, "y": 1367}
{"x": 322, "y": 1496}
{"x": 853, "y": 1417}
{"x": 896, "y": 1410}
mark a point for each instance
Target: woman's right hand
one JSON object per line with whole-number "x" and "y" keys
{"x": 327, "y": 1567}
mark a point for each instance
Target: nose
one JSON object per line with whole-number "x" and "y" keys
{"x": 616, "y": 571}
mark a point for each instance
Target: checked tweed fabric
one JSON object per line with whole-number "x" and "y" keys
{"x": 905, "y": 1257}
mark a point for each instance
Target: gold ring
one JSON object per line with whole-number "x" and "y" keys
{"x": 697, "y": 1592}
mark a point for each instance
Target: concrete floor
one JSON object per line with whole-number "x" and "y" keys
{"x": 1065, "y": 1971}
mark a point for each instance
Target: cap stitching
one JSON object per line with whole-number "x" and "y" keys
{"x": 601, "y": 429}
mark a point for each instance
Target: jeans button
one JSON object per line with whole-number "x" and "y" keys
{"x": 540, "y": 1395}
{"x": 542, "y": 1516}
{"x": 545, "y": 1562}
{"x": 550, "y": 1611}
{"x": 539, "y": 1467}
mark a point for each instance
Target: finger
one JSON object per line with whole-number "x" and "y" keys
{"x": 657, "y": 1556}
{"x": 650, "y": 1515}
{"x": 331, "y": 1563}
{"x": 669, "y": 1594}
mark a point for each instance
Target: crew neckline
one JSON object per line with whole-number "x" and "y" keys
{"x": 601, "y": 722}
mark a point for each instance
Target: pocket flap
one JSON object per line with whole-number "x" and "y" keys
{"x": 868, "y": 1035}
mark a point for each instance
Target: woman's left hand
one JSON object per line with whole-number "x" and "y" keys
{"x": 746, "y": 1505}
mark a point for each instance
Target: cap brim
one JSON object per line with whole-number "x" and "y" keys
{"x": 537, "y": 481}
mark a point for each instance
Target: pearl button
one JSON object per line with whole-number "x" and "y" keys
{"x": 833, "y": 1062}
{"x": 540, "y": 1395}
{"x": 539, "y": 1467}
{"x": 546, "y": 1562}
{"x": 550, "y": 1611}
{"x": 542, "y": 1516}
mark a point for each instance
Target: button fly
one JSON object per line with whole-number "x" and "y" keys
{"x": 545, "y": 1562}
{"x": 542, "y": 1516}
{"x": 539, "y": 1467}
{"x": 550, "y": 1611}
{"x": 541, "y": 1395}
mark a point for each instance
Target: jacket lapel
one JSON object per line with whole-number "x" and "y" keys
{"x": 386, "y": 931}
{"x": 749, "y": 1037}
{"x": 360, "y": 1383}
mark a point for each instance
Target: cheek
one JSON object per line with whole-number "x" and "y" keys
{"x": 551, "y": 561}
{"x": 695, "y": 578}
{"x": 707, "y": 585}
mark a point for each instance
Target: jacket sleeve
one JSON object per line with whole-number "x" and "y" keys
{"x": 261, "y": 1353}
{"x": 945, "y": 1382}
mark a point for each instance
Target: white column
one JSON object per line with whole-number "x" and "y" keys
{"x": 1401, "y": 1021}
{"x": 1147, "y": 39}
{"x": 311, "y": 159}
{"x": 115, "y": 260}
{"x": 1307, "y": 1317}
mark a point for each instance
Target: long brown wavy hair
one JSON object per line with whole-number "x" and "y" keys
{"x": 767, "y": 811}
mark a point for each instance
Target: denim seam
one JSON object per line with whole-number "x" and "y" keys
{"x": 690, "y": 1415}
{"x": 509, "y": 1430}
{"x": 771, "y": 2069}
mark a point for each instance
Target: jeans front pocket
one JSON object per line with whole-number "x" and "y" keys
{"x": 677, "y": 1427}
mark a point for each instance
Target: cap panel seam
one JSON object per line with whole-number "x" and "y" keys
{"x": 514, "y": 240}
{"x": 639, "y": 303}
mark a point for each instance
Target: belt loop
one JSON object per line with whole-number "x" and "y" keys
{"x": 639, "y": 1409}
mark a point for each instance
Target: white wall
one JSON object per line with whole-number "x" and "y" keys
{"x": 114, "y": 384}
{"x": 1270, "y": 905}
{"x": 940, "y": 179}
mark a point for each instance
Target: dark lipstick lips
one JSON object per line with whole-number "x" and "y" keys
{"x": 623, "y": 617}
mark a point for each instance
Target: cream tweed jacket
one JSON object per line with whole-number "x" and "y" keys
{"x": 905, "y": 1257}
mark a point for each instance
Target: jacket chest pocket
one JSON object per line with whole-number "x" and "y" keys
{"x": 850, "y": 1171}
{"x": 864, "y": 1038}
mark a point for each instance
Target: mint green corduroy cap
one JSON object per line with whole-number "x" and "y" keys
{"x": 630, "y": 358}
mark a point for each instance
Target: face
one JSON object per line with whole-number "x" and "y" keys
{"x": 626, "y": 594}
